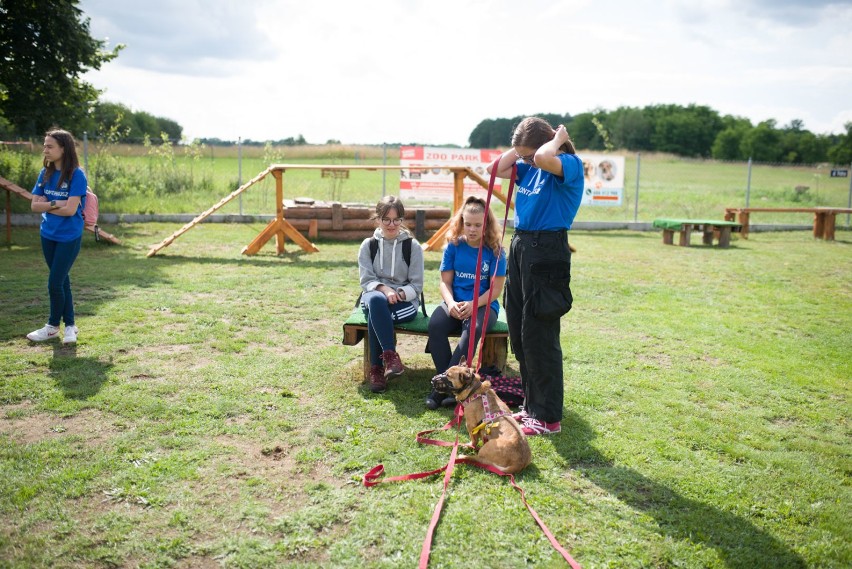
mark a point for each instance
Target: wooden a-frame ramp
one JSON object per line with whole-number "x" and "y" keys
{"x": 11, "y": 188}
{"x": 280, "y": 228}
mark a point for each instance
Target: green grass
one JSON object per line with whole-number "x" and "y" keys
{"x": 210, "y": 415}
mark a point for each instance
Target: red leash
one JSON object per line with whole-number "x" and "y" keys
{"x": 375, "y": 476}
{"x": 478, "y": 273}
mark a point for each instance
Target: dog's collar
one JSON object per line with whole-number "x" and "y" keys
{"x": 473, "y": 386}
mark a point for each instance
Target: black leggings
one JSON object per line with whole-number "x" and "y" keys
{"x": 441, "y": 325}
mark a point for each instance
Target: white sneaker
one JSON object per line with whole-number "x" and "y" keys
{"x": 70, "y": 335}
{"x": 47, "y": 333}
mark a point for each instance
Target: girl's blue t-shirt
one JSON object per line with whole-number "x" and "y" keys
{"x": 544, "y": 202}
{"x": 59, "y": 227}
{"x": 461, "y": 259}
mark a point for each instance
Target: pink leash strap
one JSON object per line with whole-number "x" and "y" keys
{"x": 478, "y": 274}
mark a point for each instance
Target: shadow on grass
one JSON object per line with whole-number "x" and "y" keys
{"x": 79, "y": 378}
{"x": 739, "y": 543}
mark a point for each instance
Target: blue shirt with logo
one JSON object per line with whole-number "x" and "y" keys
{"x": 461, "y": 259}
{"x": 59, "y": 227}
{"x": 544, "y": 202}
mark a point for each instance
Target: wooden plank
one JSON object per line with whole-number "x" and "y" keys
{"x": 337, "y": 216}
{"x": 685, "y": 234}
{"x": 169, "y": 240}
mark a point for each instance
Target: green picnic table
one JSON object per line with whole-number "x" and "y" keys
{"x": 711, "y": 229}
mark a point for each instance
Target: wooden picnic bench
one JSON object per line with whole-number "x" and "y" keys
{"x": 494, "y": 350}
{"x": 824, "y": 217}
{"x": 720, "y": 230}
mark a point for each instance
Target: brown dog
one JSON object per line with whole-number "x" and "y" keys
{"x": 493, "y": 431}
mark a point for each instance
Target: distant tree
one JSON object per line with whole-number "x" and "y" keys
{"x": 630, "y": 128}
{"x": 688, "y": 131}
{"x": 841, "y": 152}
{"x": 583, "y": 131}
{"x": 46, "y": 47}
{"x": 492, "y": 133}
{"x": 762, "y": 143}
{"x": 727, "y": 144}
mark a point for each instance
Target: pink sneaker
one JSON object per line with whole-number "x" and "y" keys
{"x": 532, "y": 427}
{"x": 521, "y": 415}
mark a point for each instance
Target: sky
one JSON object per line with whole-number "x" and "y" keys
{"x": 429, "y": 71}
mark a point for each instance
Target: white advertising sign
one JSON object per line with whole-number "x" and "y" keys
{"x": 603, "y": 179}
{"x": 422, "y": 176}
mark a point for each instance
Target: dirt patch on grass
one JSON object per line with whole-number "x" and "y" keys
{"x": 26, "y": 426}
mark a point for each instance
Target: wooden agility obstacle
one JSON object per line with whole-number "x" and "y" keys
{"x": 281, "y": 229}
{"x": 12, "y": 188}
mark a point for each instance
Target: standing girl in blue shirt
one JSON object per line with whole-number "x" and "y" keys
{"x": 59, "y": 196}
{"x": 538, "y": 293}
{"x": 458, "y": 271}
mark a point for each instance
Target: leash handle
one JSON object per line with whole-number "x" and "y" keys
{"x": 478, "y": 273}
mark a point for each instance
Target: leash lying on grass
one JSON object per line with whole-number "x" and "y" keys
{"x": 375, "y": 477}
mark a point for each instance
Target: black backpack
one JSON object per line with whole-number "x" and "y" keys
{"x": 406, "y": 256}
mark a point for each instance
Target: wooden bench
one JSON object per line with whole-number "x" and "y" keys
{"x": 494, "y": 349}
{"x": 824, "y": 217}
{"x": 720, "y": 230}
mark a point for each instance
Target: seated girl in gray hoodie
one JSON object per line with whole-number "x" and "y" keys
{"x": 392, "y": 282}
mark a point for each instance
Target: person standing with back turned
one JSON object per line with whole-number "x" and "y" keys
{"x": 60, "y": 196}
{"x": 538, "y": 293}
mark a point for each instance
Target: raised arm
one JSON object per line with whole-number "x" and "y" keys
{"x": 504, "y": 167}
{"x": 546, "y": 155}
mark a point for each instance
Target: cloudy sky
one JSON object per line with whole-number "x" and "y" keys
{"x": 429, "y": 71}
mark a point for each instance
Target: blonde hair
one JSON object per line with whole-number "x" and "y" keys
{"x": 491, "y": 237}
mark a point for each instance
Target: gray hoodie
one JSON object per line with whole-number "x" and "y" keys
{"x": 389, "y": 267}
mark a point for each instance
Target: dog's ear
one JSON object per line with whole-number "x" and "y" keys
{"x": 463, "y": 361}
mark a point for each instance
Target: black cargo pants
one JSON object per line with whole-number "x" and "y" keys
{"x": 537, "y": 294}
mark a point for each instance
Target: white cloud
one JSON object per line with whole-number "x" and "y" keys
{"x": 430, "y": 71}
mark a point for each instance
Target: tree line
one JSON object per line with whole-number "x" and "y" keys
{"x": 691, "y": 131}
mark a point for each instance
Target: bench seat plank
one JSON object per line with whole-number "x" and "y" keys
{"x": 494, "y": 352}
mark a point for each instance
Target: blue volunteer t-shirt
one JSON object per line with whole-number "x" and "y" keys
{"x": 59, "y": 227}
{"x": 544, "y": 202}
{"x": 461, "y": 259}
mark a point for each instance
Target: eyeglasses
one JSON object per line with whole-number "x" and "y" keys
{"x": 389, "y": 221}
{"x": 528, "y": 158}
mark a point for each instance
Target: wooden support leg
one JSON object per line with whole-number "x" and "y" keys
{"x": 724, "y": 237}
{"x": 436, "y": 242}
{"x": 828, "y": 230}
{"x": 685, "y": 234}
{"x": 744, "y": 222}
{"x": 707, "y": 236}
{"x": 819, "y": 225}
{"x": 668, "y": 237}
{"x": 494, "y": 351}
{"x": 366, "y": 358}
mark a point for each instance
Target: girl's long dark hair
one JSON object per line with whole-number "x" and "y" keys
{"x": 70, "y": 161}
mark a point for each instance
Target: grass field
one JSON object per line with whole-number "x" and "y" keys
{"x": 211, "y": 417}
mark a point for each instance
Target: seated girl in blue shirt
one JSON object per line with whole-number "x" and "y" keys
{"x": 458, "y": 271}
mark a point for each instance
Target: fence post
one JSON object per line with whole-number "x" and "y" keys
{"x": 384, "y": 163}
{"x": 748, "y": 184}
{"x": 849, "y": 203}
{"x": 240, "y": 169}
{"x": 636, "y": 201}
{"x": 86, "y": 152}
